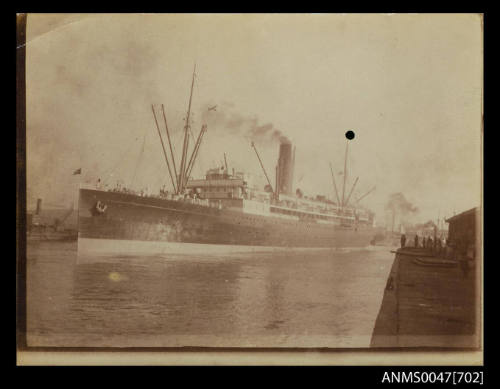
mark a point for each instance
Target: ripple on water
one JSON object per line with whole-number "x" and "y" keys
{"x": 318, "y": 299}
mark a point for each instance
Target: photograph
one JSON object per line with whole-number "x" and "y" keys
{"x": 268, "y": 181}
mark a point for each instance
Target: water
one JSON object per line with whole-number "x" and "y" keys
{"x": 307, "y": 299}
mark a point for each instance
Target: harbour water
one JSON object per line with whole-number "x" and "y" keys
{"x": 288, "y": 299}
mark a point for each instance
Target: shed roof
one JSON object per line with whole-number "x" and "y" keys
{"x": 463, "y": 214}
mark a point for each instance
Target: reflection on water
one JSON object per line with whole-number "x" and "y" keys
{"x": 288, "y": 299}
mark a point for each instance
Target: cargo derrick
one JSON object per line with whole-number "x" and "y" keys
{"x": 265, "y": 173}
{"x": 180, "y": 178}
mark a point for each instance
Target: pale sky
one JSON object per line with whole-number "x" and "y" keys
{"x": 409, "y": 86}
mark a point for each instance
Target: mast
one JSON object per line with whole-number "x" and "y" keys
{"x": 163, "y": 147}
{"x": 182, "y": 173}
{"x": 262, "y": 166}
{"x": 345, "y": 173}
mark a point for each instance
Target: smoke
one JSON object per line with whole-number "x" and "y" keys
{"x": 397, "y": 202}
{"x": 429, "y": 224}
{"x": 225, "y": 118}
{"x": 400, "y": 206}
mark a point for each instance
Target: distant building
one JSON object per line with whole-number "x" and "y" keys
{"x": 465, "y": 227}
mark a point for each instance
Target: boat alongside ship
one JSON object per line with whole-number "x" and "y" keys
{"x": 57, "y": 224}
{"x": 221, "y": 212}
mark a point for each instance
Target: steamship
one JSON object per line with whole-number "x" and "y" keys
{"x": 221, "y": 212}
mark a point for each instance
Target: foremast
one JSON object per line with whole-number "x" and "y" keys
{"x": 182, "y": 175}
{"x": 179, "y": 179}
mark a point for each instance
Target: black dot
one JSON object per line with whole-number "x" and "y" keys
{"x": 349, "y": 134}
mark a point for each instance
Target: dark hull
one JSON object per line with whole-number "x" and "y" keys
{"x": 182, "y": 225}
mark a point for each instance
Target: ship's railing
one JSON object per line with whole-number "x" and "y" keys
{"x": 180, "y": 198}
{"x": 297, "y": 209}
{"x": 162, "y": 196}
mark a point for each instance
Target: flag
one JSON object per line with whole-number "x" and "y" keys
{"x": 77, "y": 171}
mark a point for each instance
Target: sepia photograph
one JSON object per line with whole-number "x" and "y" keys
{"x": 251, "y": 182}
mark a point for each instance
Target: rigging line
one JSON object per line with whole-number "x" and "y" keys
{"x": 334, "y": 185}
{"x": 139, "y": 159}
{"x": 192, "y": 136}
{"x": 345, "y": 173}
{"x": 111, "y": 170}
{"x": 163, "y": 148}
{"x": 198, "y": 94}
{"x": 199, "y": 166}
{"x": 192, "y": 119}
{"x": 350, "y": 193}
{"x": 196, "y": 149}
{"x": 169, "y": 140}
{"x": 179, "y": 140}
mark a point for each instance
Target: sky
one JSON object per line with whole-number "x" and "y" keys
{"x": 409, "y": 86}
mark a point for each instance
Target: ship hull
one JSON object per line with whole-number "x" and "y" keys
{"x": 125, "y": 247}
{"x": 131, "y": 224}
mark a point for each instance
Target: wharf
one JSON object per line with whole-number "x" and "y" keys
{"x": 429, "y": 302}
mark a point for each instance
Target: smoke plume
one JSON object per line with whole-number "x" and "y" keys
{"x": 225, "y": 118}
{"x": 397, "y": 203}
{"x": 429, "y": 224}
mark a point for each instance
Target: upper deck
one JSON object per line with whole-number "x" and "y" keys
{"x": 233, "y": 191}
{"x": 224, "y": 191}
